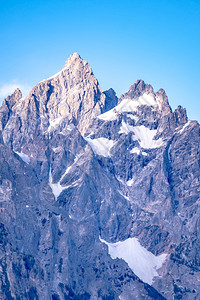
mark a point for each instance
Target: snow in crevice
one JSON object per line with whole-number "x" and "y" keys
{"x": 168, "y": 152}
{"x": 130, "y": 182}
{"x": 121, "y": 180}
{"x": 141, "y": 261}
{"x": 57, "y": 188}
{"x": 128, "y": 105}
{"x": 24, "y": 157}
{"x": 101, "y": 146}
{"x": 124, "y": 196}
{"x": 57, "y": 149}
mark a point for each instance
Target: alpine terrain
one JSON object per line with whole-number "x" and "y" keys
{"x": 99, "y": 196}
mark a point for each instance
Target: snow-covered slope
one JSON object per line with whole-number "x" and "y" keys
{"x": 143, "y": 263}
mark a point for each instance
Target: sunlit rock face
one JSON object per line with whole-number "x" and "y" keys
{"x": 99, "y": 196}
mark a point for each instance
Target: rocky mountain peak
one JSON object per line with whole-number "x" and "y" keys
{"x": 111, "y": 99}
{"x": 137, "y": 89}
{"x": 163, "y": 102}
{"x": 14, "y": 98}
{"x": 180, "y": 115}
{"x": 17, "y": 94}
{"x": 7, "y": 106}
{"x": 76, "y": 63}
{"x": 73, "y": 57}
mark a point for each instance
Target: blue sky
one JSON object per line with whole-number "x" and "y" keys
{"x": 157, "y": 41}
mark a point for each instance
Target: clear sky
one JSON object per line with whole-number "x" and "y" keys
{"x": 157, "y": 41}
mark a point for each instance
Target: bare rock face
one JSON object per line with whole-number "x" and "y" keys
{"x": 99, "y": 196}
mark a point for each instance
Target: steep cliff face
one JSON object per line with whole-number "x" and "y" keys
{"x": 99, "y": 196}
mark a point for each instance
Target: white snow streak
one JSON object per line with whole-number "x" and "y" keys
{"x": 24, "y": 157}
{"x": 183, "y": 128}
{"x": 142, "y": 262}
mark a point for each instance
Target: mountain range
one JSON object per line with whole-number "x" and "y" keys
{"x": 99, "y": 195}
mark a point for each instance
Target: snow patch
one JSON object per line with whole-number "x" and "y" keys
{"x": 135, "y": 150}
{"x": 108, "y": 116}
{"x": 128, "y": 105}
{"x": 56, "y": 188}
{"x": 141, "y": 261}
{"x": 145, "y": 137}
{"x": 130, "y": 182}
{"x": 101, "y": 146}
{"x": 70, "y": 127}
{"x": 57, "y": 149}
{"x": 144, "y": 153}
{"x": 24, "y": 157}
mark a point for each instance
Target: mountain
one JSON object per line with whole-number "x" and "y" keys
{"x": 99, "y": 196}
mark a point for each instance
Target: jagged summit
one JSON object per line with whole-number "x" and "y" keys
{"x": 137, "y": 89}
{"x": 72, "y": 58}
{"x": 144, "y": 94}
{"x": 75, "y": 60}
{"x": 75, "y": 55}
